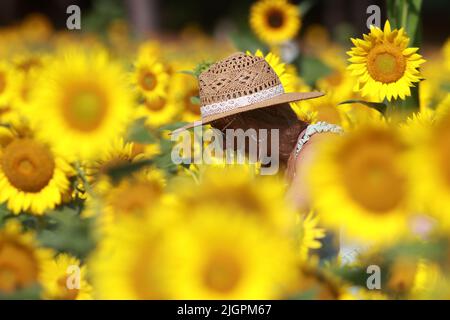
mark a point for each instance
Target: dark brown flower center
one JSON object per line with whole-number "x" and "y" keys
{"x": 275, "y": 18}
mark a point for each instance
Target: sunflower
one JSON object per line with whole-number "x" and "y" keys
{"x": 317, "y": 38}
{"x": 429, "y": 163}
{"x": 87, "y": 112}
{"x": 339, "y": 83}
{"x": 158, "y": 111}
{"x": 132, "y": 265}
{"x": 186, "y": 89}
{"x": 309, "y": 235}
{"x": 150, "y": 78}
{"x": 116, "y": 154}
{"x": 32, "y": 177}
{"x": 24, "y": 85}
{"x": 21, "y": 260}
{"x": 150, "y": 50}
{"x": 64, "y": 278}
{"x": 135, "y": 195}
{"x": 359, "y": 182}
{"x": 236, "y": 188}
{"x": 218, "y": 255}
{"x": 384, "y": 64}
{"x": 275, "y": 21}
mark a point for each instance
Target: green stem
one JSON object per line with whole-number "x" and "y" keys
{"x": 83, "y": 178}
{"x": 404, "y": 21}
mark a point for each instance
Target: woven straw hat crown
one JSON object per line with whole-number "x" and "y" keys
{"x": 236, "y": 76}
{"x": 238, "y": 84}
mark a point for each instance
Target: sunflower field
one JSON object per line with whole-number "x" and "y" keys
{"x": 93, "y": 207}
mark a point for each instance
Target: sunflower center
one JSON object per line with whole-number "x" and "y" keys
{"x": 28, "y": 165}
{"x": 65, "y": 292}
{"x": 156, "y": 104}
{"x": 85, "y": 109}
{"x": 275, "y": 18}
{"x": 222, "y": 273}
{"x": 386, "y": 63}
{"x": 18, "y": 267}
{"x": 370, "y": 174}
{"x": 2, "y": 82}
{"x": 148, "y": 81}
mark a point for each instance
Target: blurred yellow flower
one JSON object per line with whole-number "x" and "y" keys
{"x": 150, "y": 78}
{"x": 309, "y": 235}
{"x": 185, "y": 89}
{"x": 130, "y": 262}
{"x": 275, "y": 21}
{"x": 220, "y": 255}
{"x": 431, "y": 152}
{"x": 21, "y": 260}
{"x": 158, "y": 111}
{"x": 236, "y": 188}
{"x": 383, "y": 63}
{"x": 64, "y": 278}
{"x": 87, "y": 112}
{"x": 359, "y": 183}
{"x": 116, "y": 154}
{"x": 135, "y": 195}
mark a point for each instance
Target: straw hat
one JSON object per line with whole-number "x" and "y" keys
{"x": 241, "y": 83}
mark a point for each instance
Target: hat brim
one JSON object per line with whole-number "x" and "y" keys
{"x": 280, "y": 99}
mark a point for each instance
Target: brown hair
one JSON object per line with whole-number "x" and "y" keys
{"x": 280, "y": 117}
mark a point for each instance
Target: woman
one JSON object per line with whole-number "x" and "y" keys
{"x": 243, "y": 92}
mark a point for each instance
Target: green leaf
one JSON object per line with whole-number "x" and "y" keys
{"x": 188, "y": 72}
{"x": 305, "y": 295}
{"x": 195, "y": 100}
{"x": 119, "y": 172}
{"x": 4, "y": 212}
{"x": 32, "y": 292}
{"x": 245, "y": 41}
{"x": 172, "y": 126}
{"x": 138, "y": 132}
{"x": 64, "y": 230}
{"x": 312, "y": 69}
{"x": 305, "y": 6}
{"x": 434, "y": 250}
{"x": 379, "y": 106}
